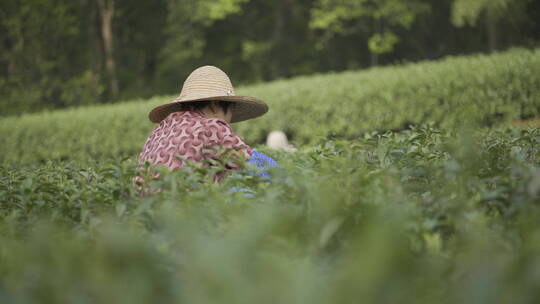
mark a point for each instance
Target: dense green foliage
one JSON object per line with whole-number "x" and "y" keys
{"x": 337, "y": 17}
{"x": 440, "y": 212}
{"x": 64, "y": 53}
{"x": 421, "y": 216}
{"x": 476, "y": 91}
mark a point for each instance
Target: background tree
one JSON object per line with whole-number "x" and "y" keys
{"x": 140, "y": 37}
{"x": 41, "y": 63}
{"x": 469, "y": 12}
{"x": 106, "y": 13}
{"x": 377, "y": 19}
{"x": 62, "y": 53}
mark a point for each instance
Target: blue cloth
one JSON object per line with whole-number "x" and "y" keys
{"x": 262, "y": 162}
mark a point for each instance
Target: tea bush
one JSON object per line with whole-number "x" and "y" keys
{"x": 475, "y": 90}
{"x": 425, "y": 215}
{"x": 444, "y": 212}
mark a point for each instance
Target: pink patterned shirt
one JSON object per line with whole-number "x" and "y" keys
{"x": 189, "y": 135}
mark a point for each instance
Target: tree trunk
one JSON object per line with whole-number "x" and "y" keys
{"x": 276, "y": 40}
{"x": 106, "y": 13}
{"x": 491, "y": 26}
{"x": 374, "y": 59}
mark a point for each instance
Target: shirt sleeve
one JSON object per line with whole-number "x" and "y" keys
{"x": 262, "y": 162}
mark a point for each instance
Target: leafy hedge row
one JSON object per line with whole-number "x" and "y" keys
{"x": 424, "y": 216}
{"x": 476, "y": 90}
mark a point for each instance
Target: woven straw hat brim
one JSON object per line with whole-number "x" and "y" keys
{"x": 211, "y": 83}
{"x": 245, "y": 107}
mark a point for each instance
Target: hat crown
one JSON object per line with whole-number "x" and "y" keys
{"x": 206, "y": 82}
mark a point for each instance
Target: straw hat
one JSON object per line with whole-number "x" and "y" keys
{"x": 211, "y": 83}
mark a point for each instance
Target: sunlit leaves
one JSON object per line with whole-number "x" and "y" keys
{"x": 468, "y": 11}
{"x": 378, "y": 18}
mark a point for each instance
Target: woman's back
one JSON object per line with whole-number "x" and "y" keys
{"x": 191, "y": 136}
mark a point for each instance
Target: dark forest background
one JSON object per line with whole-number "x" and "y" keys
{"x": 61, "y": 53}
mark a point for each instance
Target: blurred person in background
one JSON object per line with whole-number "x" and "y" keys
{"x": 277, "y": 140}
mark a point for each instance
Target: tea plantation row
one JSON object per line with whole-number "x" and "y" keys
{"x": 476, "y": 90}
{"x": 422, "y": 216}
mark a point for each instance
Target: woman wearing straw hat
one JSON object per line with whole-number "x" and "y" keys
{"x": 189, "y": 126}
